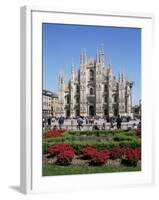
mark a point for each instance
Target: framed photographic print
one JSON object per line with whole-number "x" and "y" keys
{"x": 85, "y": 111}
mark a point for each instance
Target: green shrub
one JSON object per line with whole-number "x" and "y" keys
{"x": 45, "y": 130}
{"x": 44, "y": 147}
{"x": 121, "y": 139}
{"x": 96, "y": 132}
{"x": 132, "y": 144}
{"x": 99, "y": 145}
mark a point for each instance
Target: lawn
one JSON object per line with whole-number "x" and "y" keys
{"x": 52, "y": 170}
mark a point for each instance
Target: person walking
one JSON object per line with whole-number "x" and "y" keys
{"x": 79, "y": 122}
{"x": 103, "y": 126}
{"x": 118, "y": 122}
{"x": 95, "y": 127}
{"x": 87, "y": 120}
{"x": 61, "y": 122}
{"x": 111, "y": 123}
{"x": 49, "y": 123}
{"x": 91, "y": 121}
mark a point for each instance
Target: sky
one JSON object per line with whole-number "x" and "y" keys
{"x": 61, "y": 45}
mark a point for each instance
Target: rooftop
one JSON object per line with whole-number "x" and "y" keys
{"x": 49, "y": 93}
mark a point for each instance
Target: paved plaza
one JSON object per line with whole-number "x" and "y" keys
{"x": 71, "y": 124}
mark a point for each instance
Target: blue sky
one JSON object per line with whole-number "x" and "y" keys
{"x": 63, "y": 43}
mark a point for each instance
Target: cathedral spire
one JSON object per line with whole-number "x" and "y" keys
{"x": 81, "y": 57}
{"x": 97, "y": 56}
{"x": 61, "y": 80}
{"x": 109, "y": 62}
{"x": 62, "y": 74}
{"x": 62, "y": 77}
{"x": 72, "y": 67}
{"x": 73, "y": 70}
{"x": 101, "y": 56}
{"x": 84, "y": 56}
{"x": 120, "y": 77}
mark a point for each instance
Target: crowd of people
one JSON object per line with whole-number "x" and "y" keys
{"x": 89, "y": 122}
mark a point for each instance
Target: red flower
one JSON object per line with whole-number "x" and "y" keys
{"x": 88, "y": 152}
{"x": 133, "y": 155}
{"x": 138, "y": 132}
{"x": 55, "y": 133}
{"x": 66, "y": 153}
{"x": 116, "y": 152}
{"x": 58, "y": 148}
{"x": 100, "y": 157}
{"x": 63, "y": 152}
{"x": 65, "y": 157}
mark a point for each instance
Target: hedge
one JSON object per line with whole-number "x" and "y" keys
{"x": 99, "y": 145}
{"x": 73, "y": 136}
{"x": 121, "y": 138}
{"x": 99, "y": 132}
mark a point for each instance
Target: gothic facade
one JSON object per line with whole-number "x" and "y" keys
{"x": 93, "y": 90}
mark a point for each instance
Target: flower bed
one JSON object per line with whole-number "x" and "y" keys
{"x": 65, "y": 157}
{"x": 128, "y": 156}
{"x": 120, "y": 138}
{"x": 54, "y": 150}
{"x": 132, "y": 156}
{"x": 100, "y": 158}
{"x": 117, "y": 152}
{"x": 78, "y": 146}
{"x": 63, "y": 152}
{"x": 97, "y": 157}
{"x": 88, "y": 152}
{"x": 54, "y": 133}
{"x": 138, "y": 133}
{"x": 62, "y": 148}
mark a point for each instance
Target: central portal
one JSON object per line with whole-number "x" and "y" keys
{"x": 91, "y": 110}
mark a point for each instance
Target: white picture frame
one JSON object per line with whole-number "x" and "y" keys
{"x": 31, "y": 101}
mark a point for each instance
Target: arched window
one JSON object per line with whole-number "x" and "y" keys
{"x": 77, "y": 99}
{"x": 91, "y": 75}
{"x": 77, "y": 88}
{"x": 91, "y": 91}
{"x": 105, "y": 99}
{"x": 68, "y": 100}
{"x": 105, "y": 111}
{"x": 105, "y": 88}
{"x": 115, "y": 98}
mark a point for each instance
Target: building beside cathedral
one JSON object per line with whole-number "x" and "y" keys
{"x": 92, "y": 90}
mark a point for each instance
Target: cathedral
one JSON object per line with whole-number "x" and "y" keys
{"x": 93, "y": 90}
